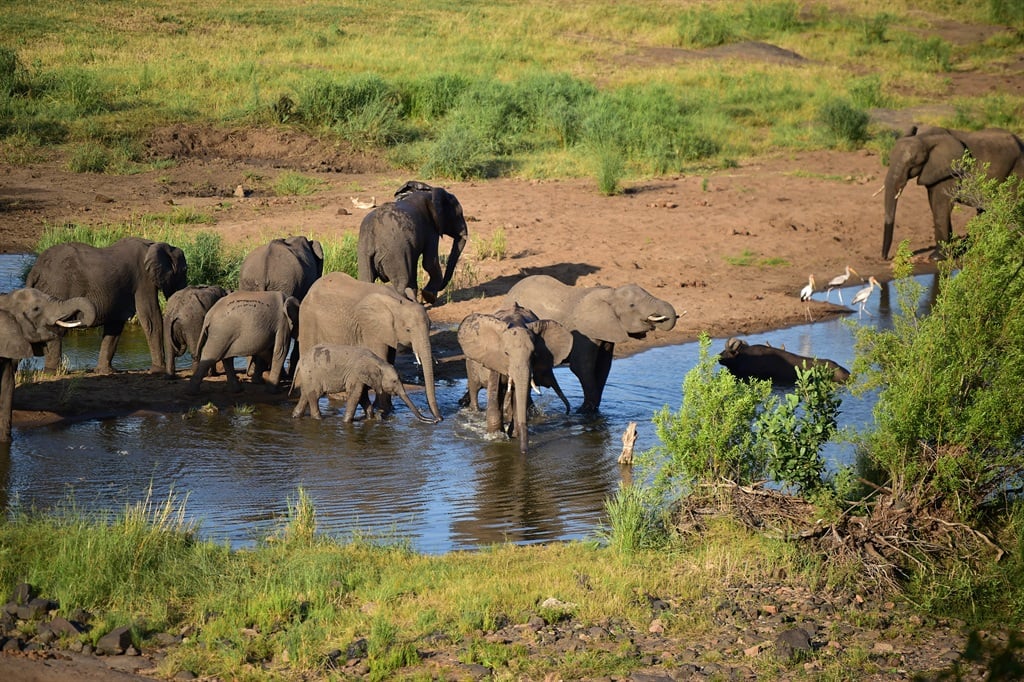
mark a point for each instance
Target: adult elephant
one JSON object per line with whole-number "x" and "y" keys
{"x": 122, "y": 280}
{"x": 598, "y": 317}
{"x": 246, "y": 324}
{"x": 289, "y": 265}
{"x": 929, "y": 154}
{"x": 394, "y": 236}
{"x": 342, "y": 310}
{"x": 509, "y": 351}
{"x": 30, "y": 318}
{"x": 183, "y": 321}
{"x": 760, "y": 361}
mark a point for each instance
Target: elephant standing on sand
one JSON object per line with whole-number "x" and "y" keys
{"x": 393, "y": 237}
{"x": 28, "y": 319}
{"x": 598, "y": 317}
{"x": 760, "y": 361}
{"x": 342, "y": 310}
{"x": 929, "y": 154}
{"x": 250, "y": 324}
{"x": 507, "y": 352}
{"x": 122, "y": 280}
{"x": 183, "y": 321}
{"x": 331, "y": 368}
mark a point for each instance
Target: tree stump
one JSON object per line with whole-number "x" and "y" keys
{"x": 628, "y": 440}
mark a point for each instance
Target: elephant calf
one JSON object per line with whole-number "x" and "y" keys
{"x": 183, "y": 321}
{"x": 332, "y": 368}
{"x": 759, "y": 361}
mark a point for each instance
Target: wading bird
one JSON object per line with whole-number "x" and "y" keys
{"x": 838, "y": 281}
{"x": 861, "y": 297}
{"x": 805, "y": 294}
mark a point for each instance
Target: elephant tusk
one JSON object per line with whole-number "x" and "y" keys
{"x": 899, "y": 193}
{"x": 533, "y": 385}
{"x": 69, "y": 325}
{"x": 878, "y": 191}
{"x": 657, "y": 318}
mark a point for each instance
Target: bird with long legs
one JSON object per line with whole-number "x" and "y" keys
{"x": 805, "y": 295}
{"x": 838, "y": 281}
{"x": 860, "y": 299}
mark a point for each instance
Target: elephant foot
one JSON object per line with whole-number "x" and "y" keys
{"x": 156, "y": 369}
{"x": 106, "y": 371}
{"x": 587, "y": 408}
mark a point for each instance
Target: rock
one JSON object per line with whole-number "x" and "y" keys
{"x": 792, "y": 643}
{"x": 12, "y": 644}
{"x": 23, "y": 594}
{"x": 63, "y": 627}
{"x": 536, "y": 623}
{"x": 115, "y": 642}
{"x": 240, "y": 192}
{"x": 36, "y": 609}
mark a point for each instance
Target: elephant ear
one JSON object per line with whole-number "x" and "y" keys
{"x": 480, "y": 338}
{"x": 444, "y": 209}
{"x": 553, "y": 336}
{"x": 12, "y": 344}
{"x": 166, "y": 267}
{"x": 594, "y": 316}
{"x": 291, "y": 311}
{"x": 941, "y": 156}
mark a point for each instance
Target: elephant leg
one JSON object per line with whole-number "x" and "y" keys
{"x": 230, "y": 374}
{"x": 495, "y": 399}
{"x": 6, "y": 397}
{"x": 940, "y": 198}
{"x": 591, "y": 362}
{"x": 312, "y": 399}
{"x": 52, "y": 352}
{"x": 108, "y": 346}
{"x": 300, "y": 406}
{"x": 353, "y": 399}
{"x": 202, "y": 367}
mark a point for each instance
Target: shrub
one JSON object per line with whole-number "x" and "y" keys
{"x": 847, "y": 123}
{"x": 90, "y": 157}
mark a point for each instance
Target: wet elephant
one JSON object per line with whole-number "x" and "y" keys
{"x": 760, "y": 361}
{"x": 183, "y": 321}
{"x": 598, "y": 317}
{"x": 123, "y": 280}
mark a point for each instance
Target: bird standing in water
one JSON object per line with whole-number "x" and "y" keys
{"x": 838, "y": 281}
{"x": 861, "y": 297}
{"x": 805, "y": 294}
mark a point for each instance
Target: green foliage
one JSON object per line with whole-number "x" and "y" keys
{"x": 610, "y": 168}
{"x": 13, "y": 75}
{"x": 948, "y": 423}
{"x": 290, "y": 183}
{"x": 797, "y": 426}
{"x": 342, "y": 255}
{"x": 634, "y": 522}
{"x": 89, "y": 158}
{"x": 704, "y": 27}
{"x": 847, "y": 124}
{"x": 710, "y": 437}
{"x": 931, "y": 53}
{"x": 1006, "y": 12}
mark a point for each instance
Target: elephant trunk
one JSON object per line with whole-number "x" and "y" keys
{"x": 453, "y": 256}
{"x": 404, "y": 395}
{"x": 76, "y": 312}
{"x": 519, "y": 392}
{"x": 893, "y": 188}
{"x": 664, "y": 316}
{"x": 421, "y": 346}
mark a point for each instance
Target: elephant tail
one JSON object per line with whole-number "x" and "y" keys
{"x": 296, "y": 377}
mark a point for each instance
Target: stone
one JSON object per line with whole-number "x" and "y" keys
{"x": 115, "y": 642}
{"x": 35, "y": 609}
{"x": 792, "y": 643}
{"x": 63, "y": 627}
{"x": 23, "y": 594}
{"x": 12, "y": 644}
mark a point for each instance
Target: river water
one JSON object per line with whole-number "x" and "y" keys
{"x": 439, "y": 487}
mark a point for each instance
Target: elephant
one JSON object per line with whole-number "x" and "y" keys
{"x": 122, "y": 280}
{"x": 341, "y": 309}
{"x": 246, "y": 323}
{"x": 598, "y": 317}
{"x": 30, "y": 318}
{"x": 331, "y": 368}
{"x": 289, "y": 265}
{"x": 183, "y": 321}
{"x": 760, "y": 361}
{"x": 393, "y": 237}
{"x": 507, "y": 352}
{"x": 929, "y": 154}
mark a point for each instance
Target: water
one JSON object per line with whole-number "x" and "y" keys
{"x": 444, "y": 487}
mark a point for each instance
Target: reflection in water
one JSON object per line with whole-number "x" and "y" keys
{"x": 442, "y": 487}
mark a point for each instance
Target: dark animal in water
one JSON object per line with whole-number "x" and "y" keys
{"x": 760, "y": 361}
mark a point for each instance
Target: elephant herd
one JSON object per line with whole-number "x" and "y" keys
{"x": 330, "y": 332}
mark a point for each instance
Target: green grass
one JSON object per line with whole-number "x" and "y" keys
{"x": 514, "y": 89}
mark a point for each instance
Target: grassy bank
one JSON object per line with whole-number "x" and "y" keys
{"x": 535, "y": 89}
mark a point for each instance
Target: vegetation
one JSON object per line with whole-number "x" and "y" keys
{"x": 509, "y": 89}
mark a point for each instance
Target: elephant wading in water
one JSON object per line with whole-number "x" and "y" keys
{"x": 290, "y": 266}
{"x": 759, "y": 361}
{"x": 28, "y": 319}
{"x": 394, "y": 236}
{"x": 331, "y": 368}
{"x": 122, "y": 280}
{"x": 341, "y": 310}
{"x": 598, "y": 317}
{"x": 246, "y": 323}
{"x": 929, "y": 154}
{"x": 507, "y": 352}
{"x": 183, "y": 321}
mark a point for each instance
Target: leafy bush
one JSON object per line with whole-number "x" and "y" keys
{"x": 847, "y": 123}
{"x": 947, "y": 420}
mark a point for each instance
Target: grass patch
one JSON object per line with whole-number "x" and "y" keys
{"x": 290, "y": 183}
{"x": 748, "y": 258}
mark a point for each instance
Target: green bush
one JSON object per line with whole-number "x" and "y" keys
{"x": 948, "y": 423}
{"x": 705, "y": 27}
{"x": 846, "y": 123}
{"x": 90, "y": 157}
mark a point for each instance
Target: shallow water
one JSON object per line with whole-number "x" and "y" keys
{"x": 444, "y": 487}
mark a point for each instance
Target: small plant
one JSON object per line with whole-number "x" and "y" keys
{"x": 90, "y": 157}
{"x": 495, "y": 247}
{"x": 290, "y": 183}
{"x": 847, "y": 123}
{"x": 611, "y": 166}
{"x": 635, "y": 523}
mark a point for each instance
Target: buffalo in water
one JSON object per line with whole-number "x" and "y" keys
{"x": 761, "y": 361}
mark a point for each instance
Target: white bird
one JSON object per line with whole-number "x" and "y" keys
{"x": 861, "y": 297}
{"x": 805, "y": 294}
{"x": 359, "y": 203}
{"x": 838, "y": 281}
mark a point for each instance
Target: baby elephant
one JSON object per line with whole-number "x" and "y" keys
{"x": 332, "y": 368}
{"x": 766, "y": 362}
{"x": 183, "y": 321}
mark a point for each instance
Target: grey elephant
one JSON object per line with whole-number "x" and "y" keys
{"x": 246, "y": 323}
{"x": 394, "y": 236}
{"x": 289, "y": 265}
{"x": 183, "y": 321}
{"x": 760, "y": 361}
{"x": 122, "y": 280}
{"x": 343, "y": 310}
{"x": 332, "y": 368}
{"x": 929, "y": 154}
{"x": 507, "y": 352}
{"x": 30, "y": 318}
{"x": 598, "y": 317}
